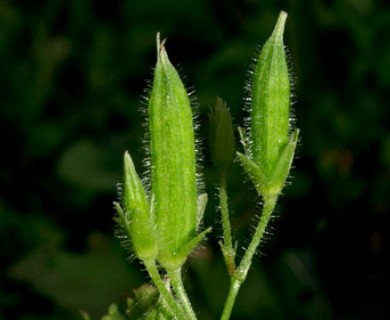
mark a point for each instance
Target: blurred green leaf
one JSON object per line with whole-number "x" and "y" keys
{"x": 86, "y": 165}
{"x": 89, "y": 281}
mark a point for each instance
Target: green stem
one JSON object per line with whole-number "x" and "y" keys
{"x": 227, "y": 246}
{"x": 235, "y": 285}
{"x": 170, "y": 301}
{"x": 268, "y": 208}
{"x": 178, "y": 286}
{"x": 239, "y": 275}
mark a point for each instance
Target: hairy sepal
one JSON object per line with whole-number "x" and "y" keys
{"x": 270, "y": 101}
{"x": 173, "y": 163}
{"x": 271, "y": 187}
{"x": 136, "y": 216}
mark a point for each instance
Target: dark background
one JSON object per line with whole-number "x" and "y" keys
{"x": 72, "y": 77}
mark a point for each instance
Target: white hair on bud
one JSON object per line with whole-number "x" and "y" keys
{"x": 194, "y": 103}
{"x": 293, "y": 82}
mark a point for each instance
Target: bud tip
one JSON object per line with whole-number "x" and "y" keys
{"x": 280, "y": 24}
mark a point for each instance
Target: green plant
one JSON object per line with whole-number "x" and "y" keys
{"x": 162, "y": 224}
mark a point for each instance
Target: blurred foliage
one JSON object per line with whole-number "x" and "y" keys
{"x": 144, "y": 306}
{"x": 72, "y": 76}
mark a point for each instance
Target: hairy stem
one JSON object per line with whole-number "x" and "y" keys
{"x": 227, "y": 245}
{"x": 239, "y": 275}
{"x": 178, "y": 286}
{"x": 172, "y": 304}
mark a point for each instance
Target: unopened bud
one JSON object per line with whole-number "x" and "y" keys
{"x": 272, "y": 149}
{"x": 136, "y": 217}
{"x": 221, "y": 137}
{"x": 173, "y": 164}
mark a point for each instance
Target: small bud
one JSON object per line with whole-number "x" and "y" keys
{"x": 136, "y": 217}
{"x": 173, "y": 164}
{"x": 221, "y": 137}
{"x": 272, "y": 149}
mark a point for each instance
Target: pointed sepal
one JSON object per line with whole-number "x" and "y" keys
{"x": 255, "y": 172}
{"x": 174, "y": 262}
{"x": 282, "y": 168}
{"x": 136, "y": 216}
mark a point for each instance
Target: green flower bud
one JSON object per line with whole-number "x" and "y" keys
{"x": 136, "y": 217}
{"x": 270, "y": 101}
{"x": 173, "y": 164}
{"x": 271, "y": 151}
{"x": 221, "y": 137}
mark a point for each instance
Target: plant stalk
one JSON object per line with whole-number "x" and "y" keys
{"x": 227, "y": 245}
{"x": 178, "y": 286}
{"x": 172, "y": 304}
{"x": 239, "y": 275}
